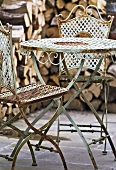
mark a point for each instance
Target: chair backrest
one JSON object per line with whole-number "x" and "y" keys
{"x": 85, "y": 24}
{"x": 7, "y": 75}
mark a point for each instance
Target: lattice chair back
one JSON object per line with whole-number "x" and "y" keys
{"x": 84, "y": 25}
{"x": 7, "y": 75}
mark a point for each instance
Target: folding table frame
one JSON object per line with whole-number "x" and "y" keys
{"x": 59, "y": 46}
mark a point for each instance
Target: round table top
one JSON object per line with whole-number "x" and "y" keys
{"x": 78, "y": 45}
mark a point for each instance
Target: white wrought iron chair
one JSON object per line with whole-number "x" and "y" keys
{"x": 23, "y": 97}
{"x": 85, "y": 25}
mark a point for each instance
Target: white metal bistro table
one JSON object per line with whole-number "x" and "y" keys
{"x": 58, "y": 46}
{"x": 78, "y": 45}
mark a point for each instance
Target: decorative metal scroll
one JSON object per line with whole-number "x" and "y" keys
{"x": 44, "y": 56}
{"x": 84, "y": 25}
{"x": 76, "y": 49}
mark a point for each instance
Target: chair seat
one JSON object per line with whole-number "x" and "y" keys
{"x": 32, "y": 93}
{"x": 96, "y": 79}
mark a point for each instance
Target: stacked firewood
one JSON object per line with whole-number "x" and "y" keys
{"x": 64, "y": 7}
{"x": 35, "y": 19}
{"x": 27, "y": 20}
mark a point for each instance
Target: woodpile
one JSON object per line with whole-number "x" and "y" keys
{"x": 27, "y": 19}
{"x": 35, "y": 19}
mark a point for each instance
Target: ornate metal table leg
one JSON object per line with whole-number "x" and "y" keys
{"x": 82, "y": 137}
{"x": 102, "y": 125}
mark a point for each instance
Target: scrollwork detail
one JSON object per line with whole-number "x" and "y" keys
{"x": 48, "y": 57}
{"x": 84, "y": 12}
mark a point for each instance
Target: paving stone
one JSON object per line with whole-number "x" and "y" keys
{"x": 74, "y": 151}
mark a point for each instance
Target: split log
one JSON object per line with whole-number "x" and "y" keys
{"x": 22, "y": 71}
{"x": 33, "y": 107}
{"x": 3, "y": 111}
{"x": 33, "y": 71}
{"x": 111, "y": 107}
{"x": 35, "y": 11}
{"x": 14, "y": 1}
{"x": 24, "y": 60}
{"x": 112, "y": 69}
{"x": 18, "y": 82}
{"x": 24, "y": 81}
{"x": 111, "y": 96}
{"x": 41, "y": 5}
{"x": 39, "y": 106}
{"x": 36, "y": 34}
{"x": 17, "y": 33}
{"x": 33, "y": 80}
{"x": 95, "y": 89}
{"x": 83, "y": 2}
{"x": 29, "y": 32}
{"x": 18, "y": 55}
{"x": 52, "y": 32}
{"x": 45, "y": 78}
{"x": 55, "y": 79}
{"x": 69, "y": 6}
{"x": 19, "y": 8}
{"x": 51, "y": 3}
{"x": 64, "y": 13}
{"x": 88, "y": 94}
{"x": 76, "y": 104}
{"x": 44, "y": 71}
{"x": 49, "y": 14}
{"x": 29, "y": 62}
{"x": 29, "y": 74}
{"x": 54, "y": 21}
{"x": 96, "y": 103}
{"x": 54, "y": 69}
{"x": 14, "y": 19}
{"x": 15, "y": 111}
{"x": 113, "y": 83}
{"x": 73, "y": 1}
{"x": 45, "y": 103}
{"x": 15, "y": 65}
{"x": 94, "y": 2}
{"x": 60, "y": 4}
{"x": 68, "y": 95}
{"x": 101, "y": 4}
{"x": 41, "y": 19}
{"x": 9, "y": 108}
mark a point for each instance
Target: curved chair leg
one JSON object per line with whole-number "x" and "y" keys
{"x": 32, "y": 154}
{"x": 47, "y": 126}
{"x": 41, "y": 139}
{"x": 18, "y": 150}
{"x": 9, "y": 124}
{"x": 33, "y": 123}
{"x": 10, "y": 158}
{"x": 41, "y": 134}
{"x": 58, "y": 132}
